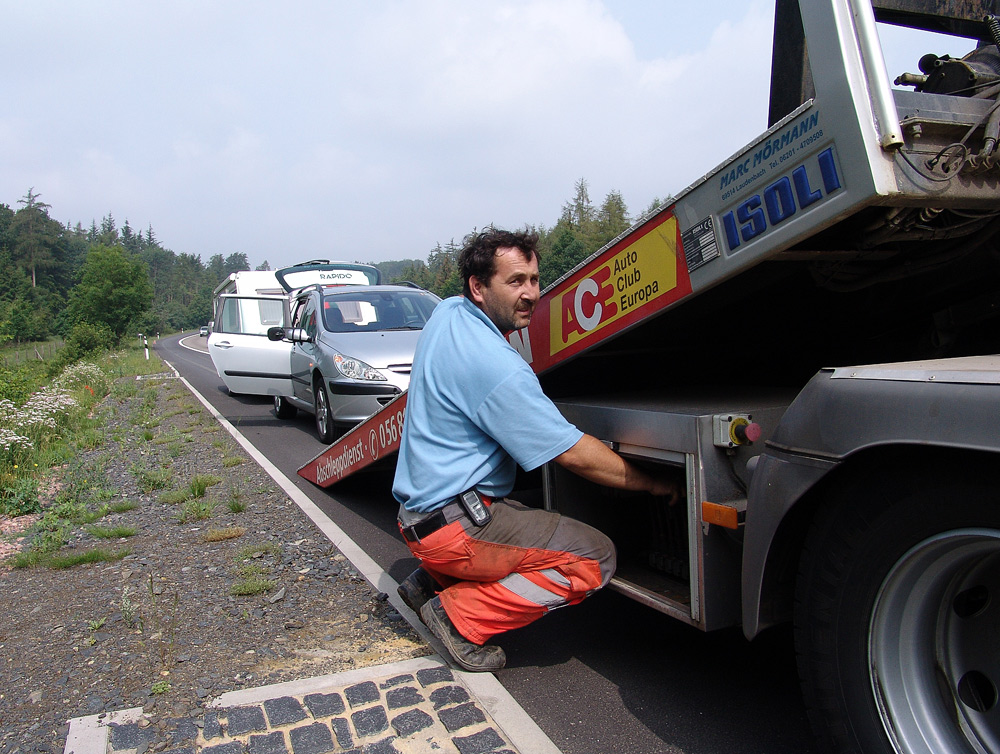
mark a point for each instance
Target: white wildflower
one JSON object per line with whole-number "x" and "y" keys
{"x": 10, "y": 439}
{"x": 41, "y": 410}
{"x": 8, "y": 413}
{"x": 82, "y": 374}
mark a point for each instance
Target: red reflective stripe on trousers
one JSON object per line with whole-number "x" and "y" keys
{"x": 472, "y": 572}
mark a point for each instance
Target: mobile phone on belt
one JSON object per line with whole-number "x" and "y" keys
{"x": 475, "y": 508}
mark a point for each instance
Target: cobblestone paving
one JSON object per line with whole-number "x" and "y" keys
{"x": 426, "y": 710}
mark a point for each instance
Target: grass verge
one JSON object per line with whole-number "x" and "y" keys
{"x": 47, "y": 421}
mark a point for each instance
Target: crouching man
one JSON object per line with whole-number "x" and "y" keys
{"x": 474, "y": 411}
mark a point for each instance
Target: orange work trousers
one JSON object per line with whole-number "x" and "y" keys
{"x": 512, "y": 571}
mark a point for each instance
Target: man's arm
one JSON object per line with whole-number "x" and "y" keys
{"x": 593, "y": 460}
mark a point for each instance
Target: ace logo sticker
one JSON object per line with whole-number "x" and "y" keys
{"x": 631, "y": 279}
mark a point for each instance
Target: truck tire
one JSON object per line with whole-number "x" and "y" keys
{"x": 322, "y": 415}
{"x": 283, "y": 408}
{"x": 897, "y": 608}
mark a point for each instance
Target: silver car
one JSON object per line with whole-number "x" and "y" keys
{"x": 352, "y": 348}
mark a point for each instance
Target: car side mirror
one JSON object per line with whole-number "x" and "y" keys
{"x": 292, "y": 334}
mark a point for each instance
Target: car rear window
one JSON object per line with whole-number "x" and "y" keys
{"x": 377, "y": 311}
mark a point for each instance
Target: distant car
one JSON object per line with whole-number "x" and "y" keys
{"x": 203, "y": 332}
{"x": 249, "y": 303}
{"x": 352, "y": 349}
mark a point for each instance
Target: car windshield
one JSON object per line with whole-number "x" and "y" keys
{"x": 377, "y": 311}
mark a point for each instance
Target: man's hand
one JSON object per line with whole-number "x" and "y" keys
{"x": 667, "y": 487}
{"x": 593, "y": 460}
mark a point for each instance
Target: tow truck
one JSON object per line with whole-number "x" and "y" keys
{"x": 808, "y": 335}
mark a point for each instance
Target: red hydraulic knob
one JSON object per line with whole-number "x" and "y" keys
{"x": 745, "y": 433}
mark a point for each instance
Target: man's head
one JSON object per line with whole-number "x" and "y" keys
{"x": 500, "y": 275}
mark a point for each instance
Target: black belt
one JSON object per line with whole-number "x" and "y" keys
{"x": 424, "y": 528}
{"x": 433, "y": 522}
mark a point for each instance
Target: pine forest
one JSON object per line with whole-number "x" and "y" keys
{"x": 94, "y": 286}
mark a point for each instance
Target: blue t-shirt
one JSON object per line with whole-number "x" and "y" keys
{"x": 474, "y": 411}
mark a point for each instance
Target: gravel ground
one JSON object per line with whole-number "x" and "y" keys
{"x": 161, "y": 628}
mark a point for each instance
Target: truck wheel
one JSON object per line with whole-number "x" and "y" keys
{"x": 897, "y": 608}
{"x": 283, "y": 408}
{"x": 321, "y": 403}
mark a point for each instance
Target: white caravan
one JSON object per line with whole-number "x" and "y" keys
{"x": 247, "y": 303}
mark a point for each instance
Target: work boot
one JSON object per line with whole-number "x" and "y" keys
{"x": 473, "y": 657}
{"x": 417, "y": 588}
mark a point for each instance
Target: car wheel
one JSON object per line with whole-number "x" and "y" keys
{"x": 324, "y": 421}
{"x": 897, "y": 605}
{"x": 283, "y": 408}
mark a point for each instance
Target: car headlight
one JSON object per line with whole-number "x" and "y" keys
{"x": 356, "y": 369}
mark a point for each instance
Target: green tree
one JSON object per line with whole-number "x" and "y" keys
{"x": 612, "y": 217}
{"x": 25, "y": 313}
{"x": 657, "y": 203}
{"x": 415, "y": 272}
{"x": 439, "y": 274}
{"x": 27, "y": 320}
{"x": 566, "y": 251}
{"x": 6, "y": 235}
{"x": 192, "y": 291}
{"x": 104, "y": 235}
{"x": 579, "y": 213}
{"x": 130, "y": 239}
{"x": 216, "y": 269}
{"x": 35, "y": 235}
{"x": 396, "y": 270}
{"x": 6, "y": 326}
{"x": 160, "y": 266}
{"x": 69, "y": 251}
{"x": 113, "y": 291}
{"x": 234, "y": 263}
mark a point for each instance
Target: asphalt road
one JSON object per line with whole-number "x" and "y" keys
{"x": 603, "y": 677}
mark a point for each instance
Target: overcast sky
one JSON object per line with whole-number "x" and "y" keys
{"x": 371, "y": 130}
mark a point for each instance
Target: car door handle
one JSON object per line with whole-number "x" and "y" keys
{"x": 224, "y": 344}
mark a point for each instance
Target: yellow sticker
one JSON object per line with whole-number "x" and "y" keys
{"x": 640, "y": 273}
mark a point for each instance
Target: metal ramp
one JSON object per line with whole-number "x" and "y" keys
{"x": 858, "y": 172}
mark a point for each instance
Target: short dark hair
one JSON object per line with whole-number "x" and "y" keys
{"x": 479, "y": 253}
